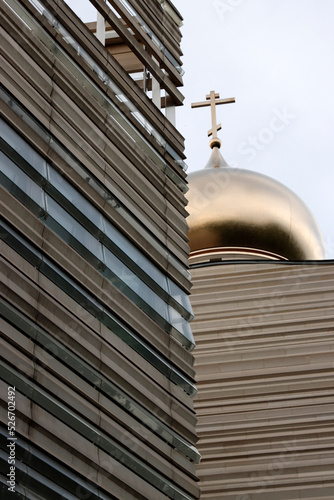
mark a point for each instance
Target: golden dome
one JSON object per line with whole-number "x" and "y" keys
{"x": 241, "y": 213}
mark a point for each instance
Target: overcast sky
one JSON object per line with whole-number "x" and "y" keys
{"x": 276, "y": 57}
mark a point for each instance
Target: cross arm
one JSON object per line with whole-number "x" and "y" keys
{"x": 208, "y": 103}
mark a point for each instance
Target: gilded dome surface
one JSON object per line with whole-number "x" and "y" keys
{"x": 239, "y": 211}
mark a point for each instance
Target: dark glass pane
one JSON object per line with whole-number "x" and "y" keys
{"x": 21, "y": 180}
{"x": 21, "y": 147}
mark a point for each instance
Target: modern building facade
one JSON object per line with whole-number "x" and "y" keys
{"x": 263, "y": 299}
{"x": 97, "y": 378}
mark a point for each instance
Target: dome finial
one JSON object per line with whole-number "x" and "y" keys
{"x": 212, "y": 100}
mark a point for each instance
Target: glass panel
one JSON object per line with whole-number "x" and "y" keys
{"x": 23, "y": 243}
{"x": 180, "y": 324}
{"x": 180, "y": 296}
{"x": 21, "y": 180}
{"x": 135, "y": 283}
{"x": 77, "y": 199}
{"x": 74, "y": 228}
{"x": 22, "y": 148}
{"x": 135, "y": 255}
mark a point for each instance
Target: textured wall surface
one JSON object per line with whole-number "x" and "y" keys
{"x": 264, "y": 362}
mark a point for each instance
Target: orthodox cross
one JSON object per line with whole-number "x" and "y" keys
{"x": 213, "y": 100}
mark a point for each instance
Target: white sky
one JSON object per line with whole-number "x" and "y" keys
{"x": 276, "y": 57}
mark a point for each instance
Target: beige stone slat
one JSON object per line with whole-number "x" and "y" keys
{"x": 230, "y": 339}
{"x": 243, "y": 355}
{"x": 267, "y": 397}
{"x": 265, "y": 445}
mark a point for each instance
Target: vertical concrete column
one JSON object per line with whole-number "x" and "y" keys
{"x": 156, "y": 97}
{"x": 170, "y": 111}
{"x": 101, "y": 28}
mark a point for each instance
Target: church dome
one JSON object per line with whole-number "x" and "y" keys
{"x": 243, "y": 214}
